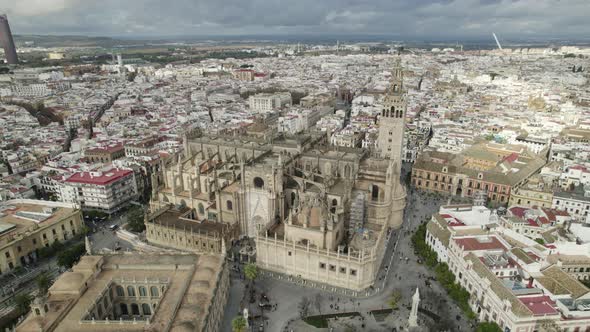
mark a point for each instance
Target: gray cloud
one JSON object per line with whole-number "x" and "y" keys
{"x": 404, "y": 18}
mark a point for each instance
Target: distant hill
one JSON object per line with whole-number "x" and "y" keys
{"x": 70, "y": 41}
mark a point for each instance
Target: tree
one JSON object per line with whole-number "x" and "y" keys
{"x": 238, "y": 324}
{"x": 68, "y": 258}
{"x": 488, "y": 327}
{"x": 317, "y": 301}
{"x": 540, "y": 241}
{"x": 303, "y": 307}
{"x": 394, "y": 299}
{"x": 43, "y": 283}
{"x": 135, "y": 220}
{"x": 23, "y": 303}
{"x": 251, "y": 271}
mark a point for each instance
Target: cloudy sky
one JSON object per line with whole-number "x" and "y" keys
{"x": 401, "y": 18}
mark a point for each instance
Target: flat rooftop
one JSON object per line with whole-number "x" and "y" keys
{"x": 480, "y": 243}
{"x": 19, "y": 216}
{"x": 465, "y": 215}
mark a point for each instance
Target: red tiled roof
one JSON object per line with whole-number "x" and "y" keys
{"x": 102, "y": 179}
{"x": 539, "y": 305}
{"x": 511, "y": 157}
{"x": 109, "y": 148}
{"x": 472, "y": 244}
{"x": 518, "y": 211}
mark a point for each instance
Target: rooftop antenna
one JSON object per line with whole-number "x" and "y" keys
{"x": 497, "y": 42}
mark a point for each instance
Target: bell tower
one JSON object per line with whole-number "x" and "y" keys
{"x": 392, "y": 120}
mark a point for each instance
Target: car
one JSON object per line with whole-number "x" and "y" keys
{"x": 113, "y": 227}
{"x": 117, "y": 248}
{"x": 265, "y": 305}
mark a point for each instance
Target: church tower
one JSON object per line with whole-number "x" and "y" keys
{"x": 391, "y": 123}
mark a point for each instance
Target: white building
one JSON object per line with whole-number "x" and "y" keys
{"x": 576, "y": 202}
{"x": 107, "y": 191}
{"x": 266, "y": 102}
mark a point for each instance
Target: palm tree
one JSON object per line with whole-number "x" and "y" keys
{"x": 251, "y": 271}
{"x": 43, "y": 283}
{"x": 23, "y": 303}
{"x": 394, "y": 299}
{"x": 238, "y": 324}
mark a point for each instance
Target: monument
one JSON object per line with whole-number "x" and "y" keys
{"x": 88, "y": 246}
{"x": 413, "y": 320}
{"x": 246, "y": 317}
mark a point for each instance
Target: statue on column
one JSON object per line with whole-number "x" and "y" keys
{"x": 246, "y": 317}
{"x": 88, "y": 246}
{"x": 413, "y": 320}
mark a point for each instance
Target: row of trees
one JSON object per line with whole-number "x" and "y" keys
{"x": 239, "y": 323}
{"x": 447, "y": 279}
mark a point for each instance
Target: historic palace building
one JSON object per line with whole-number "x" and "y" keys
{"x": 316, "y": 212}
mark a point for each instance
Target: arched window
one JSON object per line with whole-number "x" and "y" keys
{"x": 142, "y": 291}
{"x": 334, "y": 202}
{"x": 134, "y": 309}
{"x": 201, "y": 208}
{"x": 130, "y": 291}
{"x": 401, "y": 114}
{"x": 124, "y": 310}
{"x": 37, "y": 312}
{"x": 375, "y": 192}
{"x": 258, "y": 182}
{"x": 146, "y": 309}
{"x": 154, "y": 291}
{"x": 120, "y": 291}
{"x": 230, "y": 205}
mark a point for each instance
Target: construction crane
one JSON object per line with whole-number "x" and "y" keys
{"x": 497, "y": 42}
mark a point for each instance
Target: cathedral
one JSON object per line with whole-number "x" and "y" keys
{"x": 315, "y": 212}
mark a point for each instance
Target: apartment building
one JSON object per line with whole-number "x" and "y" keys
{"x": 576, "y": 202}
{"x": 107, "y": 191}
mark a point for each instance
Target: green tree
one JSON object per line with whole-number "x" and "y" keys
{"x": 303, "y": 307}
{"x": 23, "y": 303}
{"x": 251, "y": 271}
{"x": 43, "y": 283}
{"x": 394, "y": 299}
{"x": 540, "y": 241}
{"x": 488, "y": 327}
{"x": 135, "y": 220}
{"x": 69, "y": 257}
{"x": 238, "y": 324}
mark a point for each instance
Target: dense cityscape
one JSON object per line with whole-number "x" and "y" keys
{"x": 261, "y": 185}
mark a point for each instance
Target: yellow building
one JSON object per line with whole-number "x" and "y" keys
{"x": 135, "y": 293}
{"x": 28, "y": 225}
{"x": 533, "y": 193}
